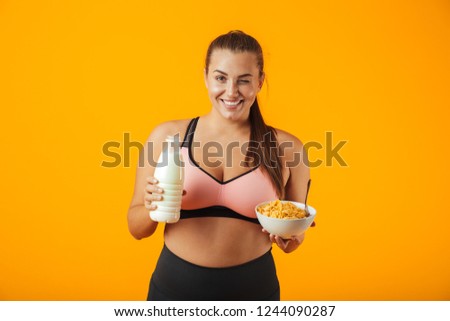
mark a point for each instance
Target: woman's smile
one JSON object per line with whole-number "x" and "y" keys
{"x": 232, "y": 104}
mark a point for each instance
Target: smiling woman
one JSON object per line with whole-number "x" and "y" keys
{"x": 218, "y": 250}
{"x": 236, "y": 92}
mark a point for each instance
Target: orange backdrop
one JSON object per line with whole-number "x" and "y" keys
{"x": 75, "y": 75}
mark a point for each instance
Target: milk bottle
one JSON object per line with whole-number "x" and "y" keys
{"x": 170, "y": 174}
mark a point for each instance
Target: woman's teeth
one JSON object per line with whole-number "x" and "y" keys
{"x": 231, "y": 103}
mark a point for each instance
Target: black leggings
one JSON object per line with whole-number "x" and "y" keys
{"x": 175, "y": 279}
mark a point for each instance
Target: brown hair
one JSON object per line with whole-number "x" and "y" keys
{"x": 263, "y": 140}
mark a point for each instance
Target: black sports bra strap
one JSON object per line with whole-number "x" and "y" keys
{"x": 189, "y": 132}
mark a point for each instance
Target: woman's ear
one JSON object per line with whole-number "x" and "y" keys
{"x": 205, "y": 77}
{"x": 261, "y": 81}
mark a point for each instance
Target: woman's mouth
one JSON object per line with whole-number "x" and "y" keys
{"x": 231, "y": 104}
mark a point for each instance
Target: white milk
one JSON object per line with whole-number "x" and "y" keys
{"x": 170, "y": 175}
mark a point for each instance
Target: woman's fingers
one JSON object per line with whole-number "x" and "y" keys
{"x": 152, "y": 180}
{"x": 152, "y": 193}
{"x": 274, "y": 238}
{"x": 150, "y": 206}
{"x": 153, "y": 189}
{"x": 280, "y": 242}
{"x": 153, "y": 197}
{"x": 287, "y": 245}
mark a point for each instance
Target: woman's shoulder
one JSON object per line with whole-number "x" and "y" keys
{"x": 170, "y": 128}
{"x": 285, "y": 138}
{"x": 292, "y": 150}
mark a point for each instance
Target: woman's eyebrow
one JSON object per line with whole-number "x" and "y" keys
{"x": 244, "y": 75}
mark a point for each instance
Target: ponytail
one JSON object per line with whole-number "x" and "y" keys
{"x": 263, "y": 141}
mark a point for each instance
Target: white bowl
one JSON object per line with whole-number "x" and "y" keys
{"x": 286, "y": 228}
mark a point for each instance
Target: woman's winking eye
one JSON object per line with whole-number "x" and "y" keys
{"x": 222, "y": 79}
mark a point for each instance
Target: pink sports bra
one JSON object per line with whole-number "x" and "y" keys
{"x": 207, "y": 196}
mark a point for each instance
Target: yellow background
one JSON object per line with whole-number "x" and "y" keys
{"x": 77, "y": 74}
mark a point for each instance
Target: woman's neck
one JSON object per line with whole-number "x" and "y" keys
{"x": 220, "y": 125}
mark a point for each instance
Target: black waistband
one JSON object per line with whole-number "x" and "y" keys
{"x": 215, "y": 211}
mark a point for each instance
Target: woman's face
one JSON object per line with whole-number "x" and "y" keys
{"x": 233, "y": 82}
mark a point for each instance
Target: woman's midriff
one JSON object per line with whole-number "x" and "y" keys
{"x": 216, "y": 241}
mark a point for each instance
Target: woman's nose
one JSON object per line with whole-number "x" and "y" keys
{"x": 232, "y": 89}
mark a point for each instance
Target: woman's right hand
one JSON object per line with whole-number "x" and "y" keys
{"x": 152, "y": 193}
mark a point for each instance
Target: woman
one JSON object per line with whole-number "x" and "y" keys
{"x": 217, "y": 250}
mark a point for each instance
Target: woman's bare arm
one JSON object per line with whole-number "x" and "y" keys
{"x": 139, "y": 223}
{"x": 296, "y": 160}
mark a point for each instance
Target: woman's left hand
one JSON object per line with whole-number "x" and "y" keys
{"x": 287, "y": 245}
